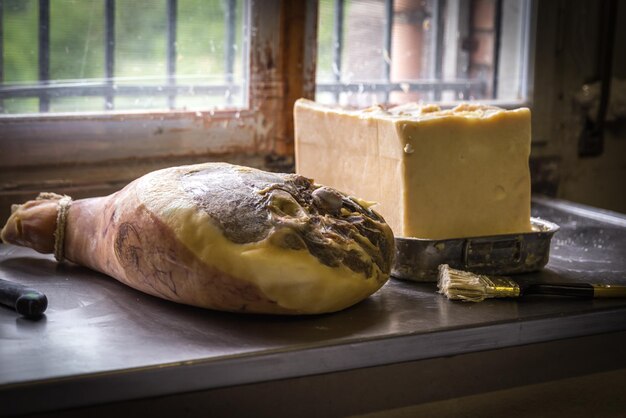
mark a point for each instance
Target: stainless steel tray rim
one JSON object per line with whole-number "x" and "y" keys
{"x": 418, "y": 259}
{"x": 547, "y": 227}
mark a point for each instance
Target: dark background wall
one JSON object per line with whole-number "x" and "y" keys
{"x": 567, "y": 54}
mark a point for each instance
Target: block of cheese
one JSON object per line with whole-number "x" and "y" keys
{"x": 435, "y": 174}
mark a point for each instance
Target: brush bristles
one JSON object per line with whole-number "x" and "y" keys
{"x": 462, "y": 285}
{"x": 470, "y": 287}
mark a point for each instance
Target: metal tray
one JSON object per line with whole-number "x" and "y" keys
{"x": 418, "y": 259}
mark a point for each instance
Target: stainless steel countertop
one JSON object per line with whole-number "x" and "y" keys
{"x": 101, "y": 341}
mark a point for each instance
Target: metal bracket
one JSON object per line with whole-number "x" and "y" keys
{"x": 493, "y": 253}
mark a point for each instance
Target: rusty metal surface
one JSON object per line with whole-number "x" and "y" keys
{"x": 418, "y": 259}
{"x": 101, "y": 341}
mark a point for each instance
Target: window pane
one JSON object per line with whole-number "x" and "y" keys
{"x": 432, "y": 50}
{"x": 198, "y": 65}
{"x": 19, "y": 58}
{"x": 76, "y": 51}
{"x": 140, "y": 41}
{"x": 140, "y": 54}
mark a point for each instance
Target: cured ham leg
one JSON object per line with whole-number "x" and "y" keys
{"x": 220, "y": 236}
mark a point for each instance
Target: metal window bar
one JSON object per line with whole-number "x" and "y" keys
{"x": 497, "y": 35}
{"x": 337, "y": 43}
{"x": 463, "y": 54}
{"x": 245, "y": 18}
{"x": 47, "y": 89}
{"x": 525, "y": 74}
{"x": 387, "y": 44}
{"x": 44, "y": 52}
{"x": 437, "y": 44}
{"x": 172, "y": 9}
{"x": 230, "y": 18}
{"x": 101, "y": 88}
{"x": 413, "y": 85}
{"x": 109, "y": 53}
{"x": 435, "y": 85}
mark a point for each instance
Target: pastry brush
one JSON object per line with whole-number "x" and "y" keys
{"x": 470, "y": 287}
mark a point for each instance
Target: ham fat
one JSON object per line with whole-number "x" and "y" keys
{"x": 223, "y": 237}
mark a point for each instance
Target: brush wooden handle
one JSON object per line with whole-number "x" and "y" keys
{"x": 583, "y": 290}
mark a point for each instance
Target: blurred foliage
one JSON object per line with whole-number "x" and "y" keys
{"x": 325, "y": 36}
{"x": 77, "y": 37}
{"x": 20, "y": 40}
{"x": 325, "y": 40}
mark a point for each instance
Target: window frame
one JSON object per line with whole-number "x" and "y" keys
{"x": 261, "y": 129}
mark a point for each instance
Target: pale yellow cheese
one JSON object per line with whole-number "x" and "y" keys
{"x": 435, "y": 173}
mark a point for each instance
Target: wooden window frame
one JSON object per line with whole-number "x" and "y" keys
{"x": 94, "y": 154}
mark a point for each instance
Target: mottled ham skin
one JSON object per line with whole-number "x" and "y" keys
{"x": 128, "y": 242}
{"x": 32, "y": 225}
{"x": 135, "y": 236}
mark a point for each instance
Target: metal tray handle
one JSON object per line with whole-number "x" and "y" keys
{"x": 490, "y": 252}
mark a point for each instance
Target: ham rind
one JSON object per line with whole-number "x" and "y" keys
{"x": 223, "y": 237}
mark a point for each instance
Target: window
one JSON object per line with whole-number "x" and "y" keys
{"x": 378, "y": 51}
{"x": 233, "y": 109}
{"x": 102, "y": 55}
{"x": 156, "y": 83}
{"x": 97, "y": 151}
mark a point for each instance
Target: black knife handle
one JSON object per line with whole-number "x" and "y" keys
{"x": 26, "y": 301}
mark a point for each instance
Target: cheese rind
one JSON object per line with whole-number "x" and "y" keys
{"x": 436, "y": 174}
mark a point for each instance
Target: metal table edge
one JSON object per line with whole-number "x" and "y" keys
{"x": 176, "y": 378}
